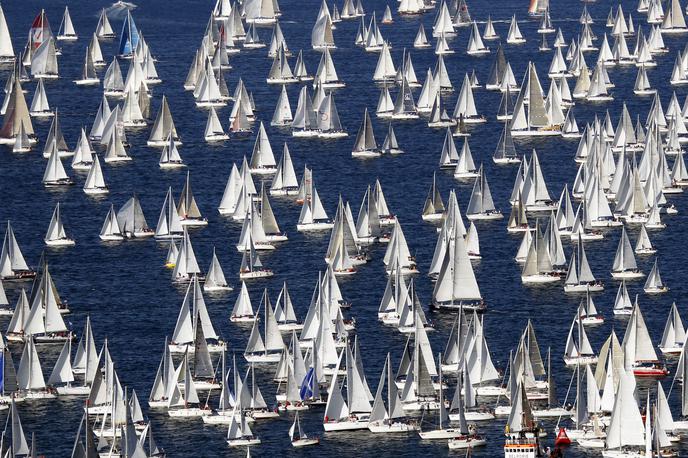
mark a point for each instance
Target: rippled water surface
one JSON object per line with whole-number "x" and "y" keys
{"x": 128, "y": 293}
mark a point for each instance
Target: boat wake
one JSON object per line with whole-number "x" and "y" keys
{"x": 119, "y": 9}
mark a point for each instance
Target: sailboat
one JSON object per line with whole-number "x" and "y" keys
{"x": 654, "y": 283}
{"x": 40, "y": 108}
{"x": 390, "y": 418}
{"x": 192, "y": 313}
{"x": 251, "y": 265}
{"x": 172, "y": 255}
{"x": 66, "y": 31}
{"x": 642, "y": 83}
{"x": 239, "y": 433}
{"x": 262, "y": 159}
{"x": 535, "y": 119}
{"x": 95, "y": 182}
{"x": 104, "y": 30}
{"x": 268, "y": 350}
{"x": 469, "y": 437}
{"x": 622, "y": 303}
{"x": 284, "y": 182}
{"x": 189, "y": 213}
{"x": 476, "y": 47}
{"x": 62, "y": 376}
{"x": 625, "y": 266}
{"x": 163, "y": 127}
{"x": 111, "y": 231}
{"x": 89, "y": 77}
{"x": 184, "y": 403}
{"x": 440, "y": 432}
{"x": 481, "y": 206}
{"x": 329, "y": 124}
{"x": 505, "y": 153}
{"x": 580, "y": 277}
{"x": 639, "y": 352}
{"x": 456, "y": 286}
{"x": 243, "y": 310}
{"x": 626, "y": 432}
{"x": 83, "y": 153}
{"x": 589, "y": 314}
{"x": 298, "y": 437}
{"x": 313, "y": 216}
{"x": 170, "y": 157}
{"x": 6, "y": 48}
{"x": 538, "y": 266}
{"x": 214, "y": 131}
{"x": 354, "y": 412}
{"x": 55, "y": 173}
{"x": 515, "y": 37}
{"x": 365, "y": 145}
{"x": 674, "y": 335}
{"x": 434, "y": 209}
{"x": 56, "y": 235}
{"x": 44, "y": 60}
{"x": 215, "y": 278}
{"x": 30, "y": 375}
{"x": 578, "y": 350}
{"x": 13, "y": 266}
{"x": 169, "y": 226}
{"x": 22, "y": 143}
{"x": 465, "y": 166}
{"x": 132, "y": 220}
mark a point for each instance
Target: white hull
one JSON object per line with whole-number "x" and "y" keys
{"x": 284, "y": 192}
{"x": 671, "y": 350}
{"x": 304, "y": 133}
{"x": 397, "y": 427}
{"x": 539, "y": 279}
{"x": 183, "y": 348}
{"x": 264, "y": 358}
{"x": 73, "y": 390}
{"x": 314, "y": 227}
{"x": 38, "y": 395}
{"x": 485, "y": 216}
{"x": 332, "y": 135}
{"x": 467, "y": 442}
{"x": 194, "y": 222}
{"x": 345, "y": 425}
{"x": 582, "y": 288}
{"x": 554, "y": 412}
{"x": 580, "y": 360}
{"x": 255, "y": 274}
{"x": 243, "y": 442}
{"x": 288, "y": 327}
{"x": 366, "y": 154}
{"x": 264, "y": 171}
{"x": 191, "y": 412}
{"x": 87, "y": 82}
{"x": 440, "y": 434}
{"x": 474, "y": 416}
{"x": 627, "y": 275}
{"x": 656, "y": 290}
{"x": 96, "y": 192}
{"x": 216, "y": 289}
{"x": 298, "y": 443}
{"x": 60, "y": 242}
{"x": 157, "y": 404}
{"x": 242, "y": 319}
{"x": 535, "y": 133}
{"x": 216, "y": 137}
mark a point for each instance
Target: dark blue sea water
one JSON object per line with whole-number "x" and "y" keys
{"x": 128, "y": 293}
